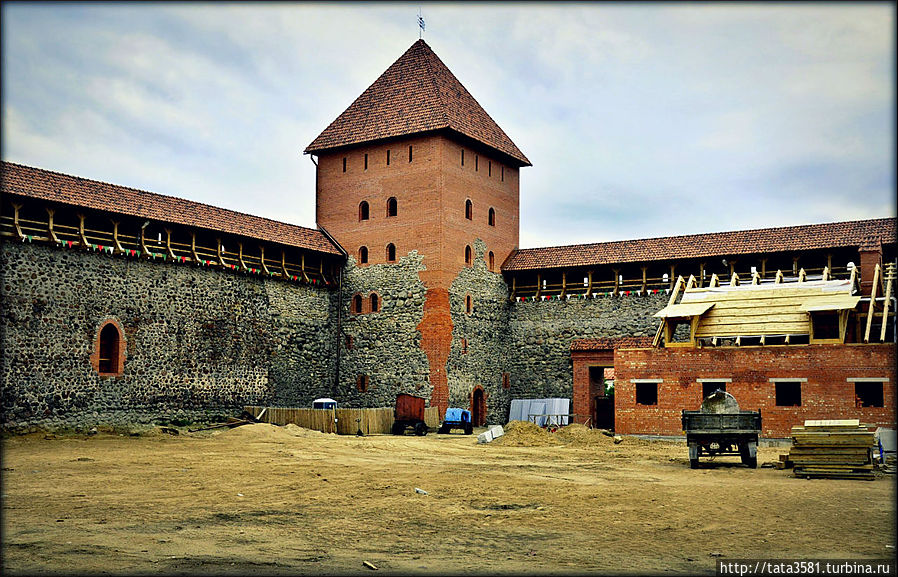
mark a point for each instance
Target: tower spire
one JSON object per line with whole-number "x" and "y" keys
{"x": 420, "y": 24}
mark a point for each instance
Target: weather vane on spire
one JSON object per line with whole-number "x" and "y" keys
{"x": 420, "y": 24}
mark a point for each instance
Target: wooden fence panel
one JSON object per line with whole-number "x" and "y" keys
{"x": 349, "y": 421}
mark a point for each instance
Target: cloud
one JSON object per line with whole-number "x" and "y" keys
{"x": 640, "y": 120}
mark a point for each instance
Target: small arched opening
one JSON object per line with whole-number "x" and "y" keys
{"x": 109, "y": 351}
{"x": 357, "y": 304}
{"x": 375, "y": 303}
{"x": 391, "y": 252}
{"x": 492, "y": 260}
{"x": 469, "y": 255}
{"x": 492, "y": 217}
{"x": 392, "y": 206}
{"x": 469, "y": 209}
{"x": 363, "y": 255}
{"x": 364, "y": 210}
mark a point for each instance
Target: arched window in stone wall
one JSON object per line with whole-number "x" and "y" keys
{"x": 363, "y": 210}
{"x": 375, "y": 302}
{"x": 491, "y": 219}
{"x": 108, "y": 358}
{"x": 469, "y": 209}
{"x": 469, "y": 256}
{"x": 492, "y": 260}
{"x": 392, "y": 206}
{"x": 363, "y": 255}
{"x": 391, "y": 252}
{"x": 357, "y": 304}
{"x": 362, "y": 382}
{"x": 469, "y": 304}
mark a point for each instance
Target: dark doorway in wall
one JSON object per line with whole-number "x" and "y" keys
{"x": 478, "y": 408}
{"x": 603, "y": 399}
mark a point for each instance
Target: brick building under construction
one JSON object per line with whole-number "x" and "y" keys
{"x": 120, "y": 305}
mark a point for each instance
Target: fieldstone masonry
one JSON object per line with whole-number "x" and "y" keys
{"x": 386, "y": 345}
{"x": 198, "y": 342}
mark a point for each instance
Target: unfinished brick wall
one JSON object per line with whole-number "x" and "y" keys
{"x": 825, "y": 374}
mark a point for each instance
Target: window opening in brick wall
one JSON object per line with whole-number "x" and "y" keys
{"x": 362, "y": 382}
{"x": 469, "y": 209}
{"x": 825, "y": 324}
{"x": 788, "y": 394}
{"x": 388, "y": 158}
{"x": 366, "y": 162}
{"x": 491, "y": 217}
{"x": 506, "y": 381}
{"x": 110, "y": 343}
{"x": 344, "y": 164}
{"x": 868, "y": 394}
{"x": 462, "y": 156}
{"x": 357, "y": 304}
{"x": 492, "y": 260}
{"x": 708, "y": 387}
{"x": 464, "y": 346}
{"x": 392, "y": 206}
{"x": 646, "y": 393}
{"x": 503, "y": 174}
{"x": 363, "y": 210}
{"x": 375, "y": 303}
{"x": 469, "y": 304}
{"x": 476, "y": 163}
{"x": 349, "y": 342}
{"x": 490, "y": 168}
{"x": 468, "y": 255}
{"x": 363, "y": 255}
{"x": 409, "y": 153}
{"x": 391, "y": 252}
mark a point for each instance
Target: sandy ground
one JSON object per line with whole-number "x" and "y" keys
{"x": 261, "y": 499}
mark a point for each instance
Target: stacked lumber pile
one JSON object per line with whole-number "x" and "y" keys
{"x": 838, "y": 449}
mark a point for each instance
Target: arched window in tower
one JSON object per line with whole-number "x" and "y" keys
{"x": 491, "y": 219}
{"x": 469, "y": 256}
{"x": 375, "y": 303}
{"x": 357, "y": 304}
{"x": 392, "y": 206}
{"x": 492, "y": 260}
{"x": 109, "y": 351}
{"x": 363, "y": 255}
{"x": 469, "y": 304}
{"x": 363, "y": 210}
{"x": 391, "y": 252}
{"x": 469, "y": 209}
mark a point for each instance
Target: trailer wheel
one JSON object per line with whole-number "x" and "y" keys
{"x": 469, "y": 428}
{"x": 443, "y": 430}
{"x": 420, "y": 429}
{"x": 747, "y": 459}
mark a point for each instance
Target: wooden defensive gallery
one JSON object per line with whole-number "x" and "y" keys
{"x": 122, "y": 304}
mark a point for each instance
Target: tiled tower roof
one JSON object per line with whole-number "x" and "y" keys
{"x": 418, "y": 93}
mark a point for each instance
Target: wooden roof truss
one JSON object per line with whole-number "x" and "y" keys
{"x": 752, "y": 311}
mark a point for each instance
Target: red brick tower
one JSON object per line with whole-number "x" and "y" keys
{"x": 415, "y": 163}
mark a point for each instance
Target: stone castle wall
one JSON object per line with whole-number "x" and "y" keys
{"x": 197, "y": 342}
{"x": 385, "y": 345}
{"x": 202, "y": 343}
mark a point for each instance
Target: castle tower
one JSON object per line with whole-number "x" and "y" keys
{"x": 416, "y": 164}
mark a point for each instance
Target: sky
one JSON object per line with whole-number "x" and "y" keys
{"x": 641, "y": 120}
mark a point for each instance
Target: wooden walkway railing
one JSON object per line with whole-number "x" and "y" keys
{"x": 339, "y": 421}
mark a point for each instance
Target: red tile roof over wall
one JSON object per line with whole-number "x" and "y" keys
{"x": 416, "y": 94}
{"x": 75, "y": 191}
{"x": 611, "y": 343}
{"x": 765, "y": 240}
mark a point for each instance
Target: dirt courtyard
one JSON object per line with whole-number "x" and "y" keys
{"x": 261, "y": 499}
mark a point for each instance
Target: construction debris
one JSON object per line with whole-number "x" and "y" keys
{"x": 838, "y": 449}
